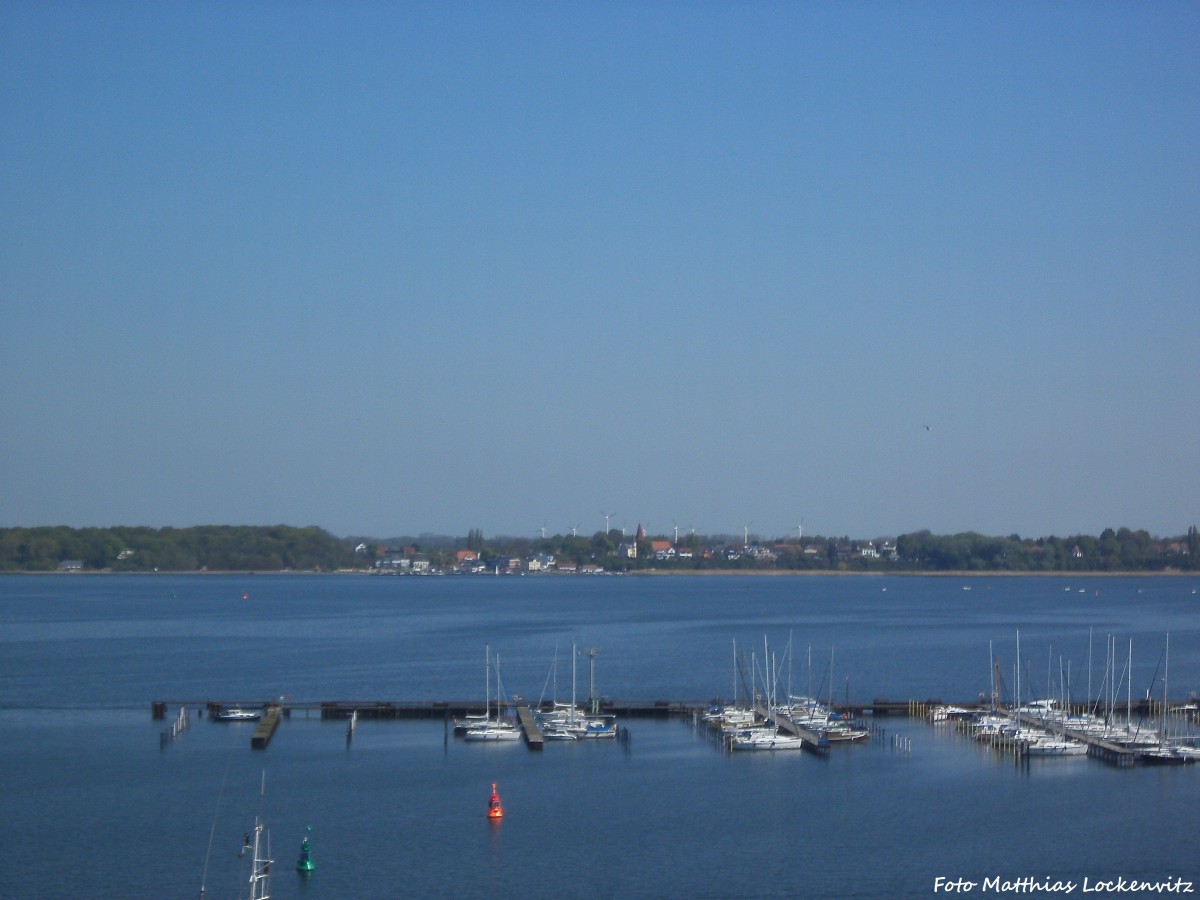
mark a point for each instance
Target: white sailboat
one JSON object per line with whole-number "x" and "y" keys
{"x": 765, "y": 737}
{"x": 1049, "y": 745}
{"x": 260, "y": 864}
{"x": 590, "y": 725}
{"x": 491, "y": 730}
{"x": 1167, "y": 751}
{"x": 558, "y": 722}
{"x": 260, "y": 869}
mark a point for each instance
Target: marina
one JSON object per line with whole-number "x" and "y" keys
{"x": 763, "y": 714}
{"x": 1022, "y": 734}
{"x": 402, "y": 802}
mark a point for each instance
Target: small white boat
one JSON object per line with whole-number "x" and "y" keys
{"x": 766, "y": 738}
{"x": 493, "y": 731}
{"x": 489, "y": 729}
{"x": 468, "y": 721}
{"x": 943, "y": 713}
{"x": 1056, "y": 747}
{"x": 595, "y": 727}
{"x": 237, "y": 714}
{"x": 843, "y": 732}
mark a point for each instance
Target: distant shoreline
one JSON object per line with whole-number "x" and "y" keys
{"x": 948, "y": 573}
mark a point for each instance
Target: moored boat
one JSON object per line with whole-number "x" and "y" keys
{"x": 766, "y": 737}
{"x": 595, "y": 727}
{"x": 501, "y": 730}
{"x": 489, "y": 729}
{"x": 237, "y": 714}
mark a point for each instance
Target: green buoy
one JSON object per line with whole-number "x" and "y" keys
{"x": 306, "y": 864}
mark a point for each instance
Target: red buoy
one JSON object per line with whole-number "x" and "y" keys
{"x": 495, "y": 811}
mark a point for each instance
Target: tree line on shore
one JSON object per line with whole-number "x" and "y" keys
{"x": 239, "y": 548}
{"x": 284, "y": 548}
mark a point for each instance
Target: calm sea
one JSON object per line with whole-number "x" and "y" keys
{"x": 94, "y": 806}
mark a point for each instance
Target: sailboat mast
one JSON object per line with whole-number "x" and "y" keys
{"x": 831, "y": 676}
{"x": 1091, "y": 708}
{"x": 767, "y": 672}
{"x": 1113, "y": 676}
{"x": 260, "y": 866}
{"x": 1018, "y": 703}
{"x": 1166, "y": 674}
{"x": 1129, "y": 688}
{"x": 991, "y": 678}
{"x": 735, "y": 691}
{"x": 809, "y": 693}
{"x": 1049, "y": 666}
{"x": 788, "y": 653}
{"x": 499, "y": 689}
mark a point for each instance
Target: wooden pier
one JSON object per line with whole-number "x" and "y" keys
{"x": 529, "y": 727}
{"x": 266, "y": 728}
{"x": 1098, "y": 748}
{"x": 812, "y": 741}
{"x": 424, "y": 709}
{"x": 278, "y": 708}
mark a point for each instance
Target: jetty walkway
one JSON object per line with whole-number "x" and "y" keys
{"x": 281, "y": 708}
{"x": 436, "y": 709}
{"x": 274, "y": 710}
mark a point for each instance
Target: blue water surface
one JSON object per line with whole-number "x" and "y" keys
{"x": 95, "y": 805}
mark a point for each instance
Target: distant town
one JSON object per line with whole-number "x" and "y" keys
{"x": 283, "y": 548}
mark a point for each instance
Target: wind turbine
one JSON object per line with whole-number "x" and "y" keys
{"x": 746, "y": 534}
{"x": 676, "y": 524}
{"x": 607, "y": 516}
{"x": 543, "y": 529}
{"x": 575, "y": 528}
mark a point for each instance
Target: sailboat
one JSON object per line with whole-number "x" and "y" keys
{"x": 260, "y": 871}
{"x": 765, "y": 737}
{"x": 768, "y": 735}
{"x": 556, "y": 721}
{"x": 491, "y": 729}
{"x": 1167, "y": 752}
{"x": 260, "y": 866}
{"x": 592, "y": 725}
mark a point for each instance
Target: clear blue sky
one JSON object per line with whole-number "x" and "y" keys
{"x": 395, "y": 268}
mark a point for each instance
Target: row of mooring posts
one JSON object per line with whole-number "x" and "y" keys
{"x": 998, "y": 742}
{"x": 177, "y": 727}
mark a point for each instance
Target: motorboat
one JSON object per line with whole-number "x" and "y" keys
{"x": 237, "y": 714}
{"x": 595, "y": 727}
